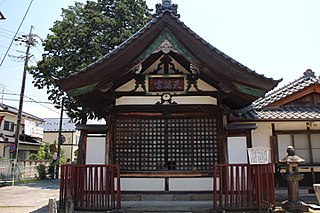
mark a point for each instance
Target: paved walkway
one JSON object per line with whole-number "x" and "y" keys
{"x": 31, "y": 197}
{"x": 34, "y": 197}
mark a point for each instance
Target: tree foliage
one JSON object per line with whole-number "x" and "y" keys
{"x": 86, "y": 32}
{"x": 43, "y": 153}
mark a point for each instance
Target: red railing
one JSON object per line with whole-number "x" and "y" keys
{"x": 243, "y": 186}
{"x": 91, "y": 187}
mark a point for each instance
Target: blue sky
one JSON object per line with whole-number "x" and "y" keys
{"x": 278, "y": 39}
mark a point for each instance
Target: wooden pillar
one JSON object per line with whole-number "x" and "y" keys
{"x": 110, "y": 138}
{"x": 82, "y": 147}
{"x": 223, "y": 140}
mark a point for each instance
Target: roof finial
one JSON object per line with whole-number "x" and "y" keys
{"x": 166, "y": 3}
{"x": 309, "y": 73}
{"x": 167, "y": 6}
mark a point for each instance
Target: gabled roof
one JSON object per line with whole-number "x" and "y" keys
{"x": 245, "y": 84}
{"x": 13, "y": 110}
{"x": 272, "y": 107}
{"x": 308, "y": 78}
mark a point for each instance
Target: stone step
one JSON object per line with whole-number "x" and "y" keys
{"x": 166, "y": 197}
{"x": 167, "y": 206}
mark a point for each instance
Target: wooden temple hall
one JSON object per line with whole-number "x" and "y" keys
{"x": 167, "y": 96}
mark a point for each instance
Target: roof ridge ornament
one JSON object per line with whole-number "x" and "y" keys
{"x": 309, "y": 73}
{"x": 166, "y": 3}
{"x": 167, "y": 6}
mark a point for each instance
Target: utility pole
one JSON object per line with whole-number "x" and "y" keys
{"x": 29, "y": 41}
{"x": 60, "y": 140}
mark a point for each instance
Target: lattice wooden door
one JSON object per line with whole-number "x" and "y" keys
{"x": 156, "y": 144}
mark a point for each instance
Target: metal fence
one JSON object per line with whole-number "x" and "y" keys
{"x": 19, "y": 170}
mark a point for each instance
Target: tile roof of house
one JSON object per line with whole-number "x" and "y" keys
{"x": 259, "y": 109}
{"x": 290, "y": 113}
{"x": 13, "y": 110}
{"x": 52, "y": 125}
{"x": 304, "y": 81}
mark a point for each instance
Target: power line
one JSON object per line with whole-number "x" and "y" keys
{"x": 6, "y": 36}
{"x": 5, "y": 55}
{"x": 31, "y": 99}
{"x": 7, "y": 30}
{"x": 3, "y": 2}
{"x": 6, "y": 33}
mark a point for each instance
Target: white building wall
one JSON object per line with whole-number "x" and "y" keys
{"x": 261, "y": 135}
{"x": 142, "y": 184}
{"x": 190, "y": 184}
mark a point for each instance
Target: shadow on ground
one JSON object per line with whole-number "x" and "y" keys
{"x": 43, "y": 209}
{"x": 43, "y": 184}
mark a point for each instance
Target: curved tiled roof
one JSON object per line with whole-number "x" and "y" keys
{"x": 304, "y": 81}
{"x": 191, "y": 32}
{"x": 291, "y": 113}
{"x": 259, "y": 109}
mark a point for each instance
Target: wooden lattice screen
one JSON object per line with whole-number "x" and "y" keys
{"x": 156, "y": 144}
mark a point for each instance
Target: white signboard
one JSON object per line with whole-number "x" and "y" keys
{"x": 32, "y": 130}
{"x": 237, "y": 150}
{"x": 258, "y": 155}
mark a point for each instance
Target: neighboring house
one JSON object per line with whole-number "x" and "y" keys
{"x": 30, "y": 134}
{"x": 287, "y": 116}
{"x": 70, "y": 134}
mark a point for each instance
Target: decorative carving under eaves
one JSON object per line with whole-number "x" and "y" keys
{"x": 140, "y": 83}
{"x": 166, "y": 99}
{"x": 194, "y": 70}
{"x": 192, "y": 82}
{"x": 136, "y": 69}
{"x": 166, "y": 66}
{"x": 165, "y": 47}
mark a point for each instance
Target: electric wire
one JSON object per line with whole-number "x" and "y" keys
{"x": 3, "y": 2}
{"x": 5, "y": 55}
{"x": 32, "y": 100}
{"x": 39, "y": 102}
{"x": 7, "y": 30}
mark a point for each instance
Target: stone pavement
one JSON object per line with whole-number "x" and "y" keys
{"x": 31, "y": 197}
{"x": 34, "y": 197}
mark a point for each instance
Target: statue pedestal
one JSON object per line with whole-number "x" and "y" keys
{"x": 297, "y": 206}
{"x": 293, "y": 204}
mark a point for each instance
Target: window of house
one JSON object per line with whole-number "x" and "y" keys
{"x": 8, "y": 126}
{"x": 166, "y": 144}
{"x": 306, "y": 144}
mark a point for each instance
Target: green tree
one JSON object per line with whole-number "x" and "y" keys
{"x": 86, "y": 32}
{"x": 43, "y": 153}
